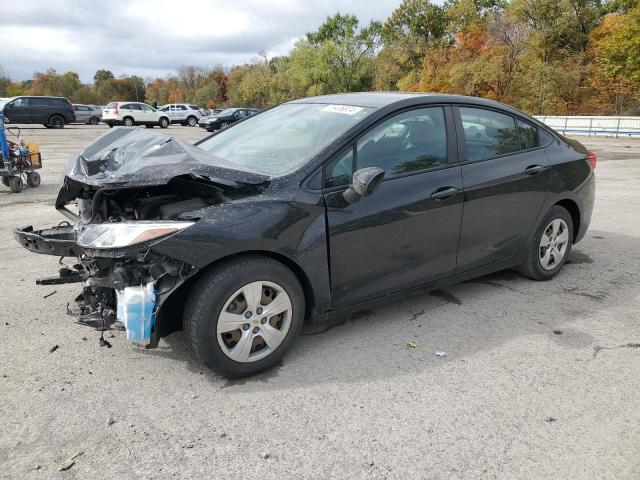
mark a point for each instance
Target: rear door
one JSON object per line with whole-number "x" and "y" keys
{"x": 506, "y": 181}
{"x": 148, "y": 114}
{"x": 406, "y": 233}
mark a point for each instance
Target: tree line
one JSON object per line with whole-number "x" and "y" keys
{"x": 542, "y": 56}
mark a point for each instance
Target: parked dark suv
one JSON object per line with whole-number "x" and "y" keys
{"x": 52, "y": 112}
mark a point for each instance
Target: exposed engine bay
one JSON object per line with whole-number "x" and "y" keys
{"x": 122, "y": 196}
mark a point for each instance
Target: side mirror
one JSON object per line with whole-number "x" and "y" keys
{"x": 364, "y": 183}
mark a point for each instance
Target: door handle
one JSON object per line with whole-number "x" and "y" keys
{"x": 444, "y": 193}
{"x": 534, "y": 170}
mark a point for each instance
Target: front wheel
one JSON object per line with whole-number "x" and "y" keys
{"x": 127, "y": 121}
{"x": 550, "y": 245}
{"x": 164, "y": 122}
{"x": 224, "y": 124}
{"x": 15, "y": 184}
{"x": 243, "y": 316}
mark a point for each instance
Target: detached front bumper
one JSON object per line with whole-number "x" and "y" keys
{"x": 59, "y": 241}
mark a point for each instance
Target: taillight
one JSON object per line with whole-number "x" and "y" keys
{"x": 116, "y": 108}
{"x": 593, "y": 159}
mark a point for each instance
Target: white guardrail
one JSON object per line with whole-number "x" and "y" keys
{"x": 593, "y": 125}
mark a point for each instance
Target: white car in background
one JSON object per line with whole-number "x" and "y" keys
{"x": 134, "y": 113}
{"x": 183, "y": 113}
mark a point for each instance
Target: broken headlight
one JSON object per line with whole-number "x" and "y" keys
{"x": 118, "y": 235}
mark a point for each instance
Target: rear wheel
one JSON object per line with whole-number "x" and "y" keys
{"x": 550, "y": 245}
{"x": 56, "y": 121}
{"x": 94, "y": 121}
{"x": 192, "y": 121}
{"x": 15, "y": 184}
{"x": 127, "y": 121}
{"x": 33, "y": 179}
{"x": 243, "y": 315}
{"x": 164, "y": 122}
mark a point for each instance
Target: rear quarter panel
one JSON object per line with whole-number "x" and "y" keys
{"x": 571, "y": 178}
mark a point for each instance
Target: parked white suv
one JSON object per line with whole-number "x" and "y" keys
{"x": 134, "y": 113}
{"x": 182, "y": 113}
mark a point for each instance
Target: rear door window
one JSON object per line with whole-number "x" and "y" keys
{"x": 528, "y": 135}
{"x": 488, "y": 134}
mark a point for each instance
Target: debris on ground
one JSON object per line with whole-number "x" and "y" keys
{"x": 70, "y": 463}
{"x": 550, "y": 419}
{"x": 557, "y": 332}
{"x": 411, "y": 345}
{"x": 54, "y": 348}
{"x": 49, "y": 294}
{"x": 441, "y": 354}
{"x": 111, "y": 421}
{"x": 265, "y": 455}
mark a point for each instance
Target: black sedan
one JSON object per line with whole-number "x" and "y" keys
{"x": 313, "y": 209}
{"x": 225, "y": 118}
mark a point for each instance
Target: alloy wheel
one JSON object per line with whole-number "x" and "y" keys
{"x": 553, "y": 244}
{"x": 254, "y": 321}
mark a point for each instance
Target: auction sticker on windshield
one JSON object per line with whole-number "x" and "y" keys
{"x": 346, "y": 109}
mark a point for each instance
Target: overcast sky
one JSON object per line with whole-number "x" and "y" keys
{"x": 150, "y": 38}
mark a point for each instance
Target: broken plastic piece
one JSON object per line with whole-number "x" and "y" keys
{"x": 441, "y": 354}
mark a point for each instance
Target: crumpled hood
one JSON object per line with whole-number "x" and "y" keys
{"x": 135, "y": 157}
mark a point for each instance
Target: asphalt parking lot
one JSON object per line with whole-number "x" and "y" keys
{"x": 540, "y": 380}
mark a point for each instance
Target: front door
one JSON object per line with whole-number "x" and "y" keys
{"x": 18, "y": 111}
{"x": 506, "y": 181}
{"x": 406, "y": 233}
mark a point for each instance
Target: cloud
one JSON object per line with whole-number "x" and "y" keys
{"x": 150, "y": 38}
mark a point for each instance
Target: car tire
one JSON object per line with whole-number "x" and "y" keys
{"x": 33, "y": 179}
{"x": 224, "y": 124}
{"x": 128, "y": 122}
{"x": 550, "y": 245}
{"x": 56, "y": 121}
{"x": 221, "y": 285}
{"x": 94, "y": 121}
{"x": 192, "y": 121}
{"x": 15, "y": 184}
{"x": 163, "y": 122}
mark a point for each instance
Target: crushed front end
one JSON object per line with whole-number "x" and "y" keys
{"x": 124, "y": 196}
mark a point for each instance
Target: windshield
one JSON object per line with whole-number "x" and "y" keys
{"x": 228, "y": 111}
{"x": 282, "y": 138}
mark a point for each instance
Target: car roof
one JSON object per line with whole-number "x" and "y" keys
{"x": 383, "y": 99}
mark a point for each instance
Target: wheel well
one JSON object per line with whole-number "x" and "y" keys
{"x": 165, "y": 117}
{"x": 574, "y": 211}
{"x": 172, "y": 309}
{"x": 128, "y": 116}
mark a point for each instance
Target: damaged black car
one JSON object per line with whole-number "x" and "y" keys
{"x": 313, "y": 209}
